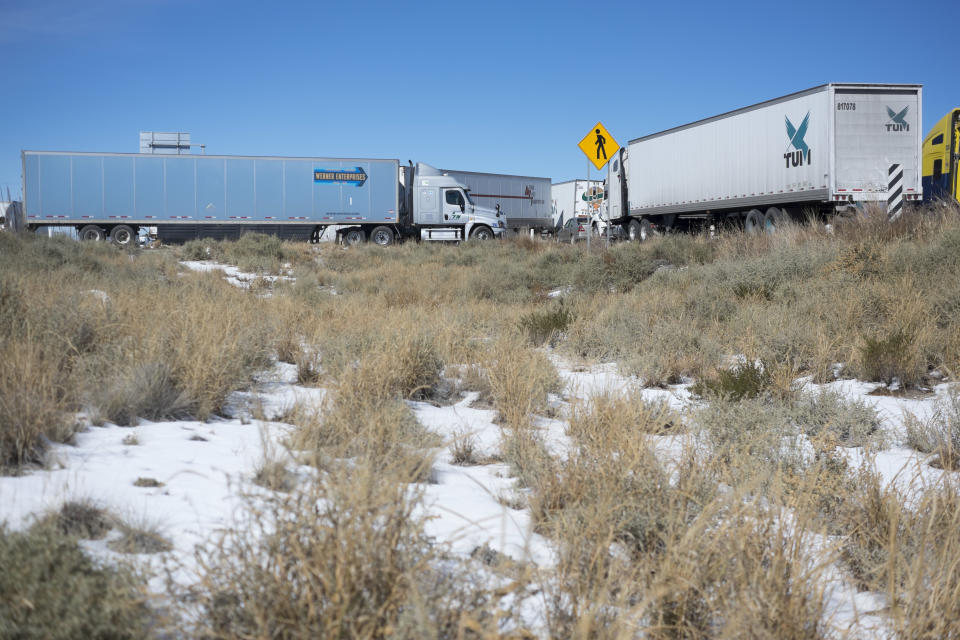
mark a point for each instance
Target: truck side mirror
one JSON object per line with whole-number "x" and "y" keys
{"x": 463, "y": 207}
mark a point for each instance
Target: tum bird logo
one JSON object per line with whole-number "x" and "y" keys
{"x": 802, "y": 154}
{"x": 897, "y": 120}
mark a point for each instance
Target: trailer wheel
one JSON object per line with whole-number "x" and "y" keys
{"x": 92, "y": 232}
{"x": 122, "y": 235}
{"x": 773, "y": 219}
{"x": 354, "y": 236}
{"x": 481, "y": 233}
{"x": 753, "y": 221}
{"x": 640, "y": 230}
{"x": 646, "y": 230}
{"x": 382, "y": 236}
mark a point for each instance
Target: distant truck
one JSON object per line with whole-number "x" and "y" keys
{"x": 828, "y": 148}
{"x": 523, "y": 200}
{"x": 112, "y": 195}
{"x": 578, "y": 198}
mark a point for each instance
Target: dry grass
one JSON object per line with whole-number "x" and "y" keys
{"x": 940, "y": 434}
{"x": 344, "y": 557}
{"x": 711, "y": 541}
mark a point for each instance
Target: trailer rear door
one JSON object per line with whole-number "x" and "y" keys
{"x": 875, "y": 129}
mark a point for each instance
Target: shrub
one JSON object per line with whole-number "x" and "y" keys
{"x": 852, "y": 423}
{"x": 140, "y": 536}
{"x": 346, "y": 557}
{"x": 49, "y": 588}
{"x": 544, "y": 326}
{"x": 81, "y": 519}
{"x": 889, "y": 356}
{"x": 745, "y": 380}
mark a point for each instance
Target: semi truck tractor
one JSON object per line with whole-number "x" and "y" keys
{"x": 113, "y": 195}
{"x": 941, "y": 159}
{"x": 523, "y": 200}
{"x": 814, "y": 152}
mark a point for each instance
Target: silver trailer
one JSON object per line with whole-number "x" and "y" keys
{"x": 831, "y": 147}
{"x": 114, "y": 195}
{"x": 524, "y": 199}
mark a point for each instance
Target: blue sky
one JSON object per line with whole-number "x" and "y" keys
{"x": 506, "y": 87}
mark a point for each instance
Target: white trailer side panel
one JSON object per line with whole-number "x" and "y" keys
{"x": 734, "y": 159}
{"x": 563, "y": 201}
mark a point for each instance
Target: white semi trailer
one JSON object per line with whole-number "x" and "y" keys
{"x": 817, "y": 151}
{"x": 579, "y": 198}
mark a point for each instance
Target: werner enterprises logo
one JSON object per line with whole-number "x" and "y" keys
{"x": 898, "y": 120}
{"x": 800, "y": 153}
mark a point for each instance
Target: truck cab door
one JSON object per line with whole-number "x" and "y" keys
{"x": 955, "y": 165}
{"x": 454, "y": 207}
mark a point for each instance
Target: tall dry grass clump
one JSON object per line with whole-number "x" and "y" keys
{"x": 940, "y": 433}
{"x": 520, "y": 379}
{"x": 346, "y": 557}
{"x": 739, "y": 571}
{"x": 119, "y": 334}
{"x": 32, "y": 405}
{"x": 367, "y": 415}
{"x": 929, "y": 599}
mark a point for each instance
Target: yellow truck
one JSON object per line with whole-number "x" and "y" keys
{"x": 941, "y": 153}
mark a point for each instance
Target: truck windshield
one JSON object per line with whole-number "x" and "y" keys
{"x": 466, "y": 194}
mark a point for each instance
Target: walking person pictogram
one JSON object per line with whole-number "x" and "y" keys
{"x": 600, "y": 142}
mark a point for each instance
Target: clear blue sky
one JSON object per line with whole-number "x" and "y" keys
{"x": 494, "y": 86}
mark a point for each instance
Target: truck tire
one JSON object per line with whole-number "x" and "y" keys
{"x": 354, "y": 236}
{"x": 646, "y": 230}
{"x": 773, "y": 219}
{"x": 92, "y": 232}
{"x": 640, "y": 230}
{"x": 481, "y": 233}
{"x": 122, "y": 235}
{"x": 753, "y": 221}
{"x": 382, "y": 236}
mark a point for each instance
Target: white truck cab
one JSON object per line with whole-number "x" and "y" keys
{"x": 443, "y": 210}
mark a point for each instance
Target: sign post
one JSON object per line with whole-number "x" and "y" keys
{"x": 599, "y": 146}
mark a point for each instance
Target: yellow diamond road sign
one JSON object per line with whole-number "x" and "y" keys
{"x": 599, "y": 145}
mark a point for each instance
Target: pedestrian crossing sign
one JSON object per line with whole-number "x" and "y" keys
{"x": 598, "y": 145}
